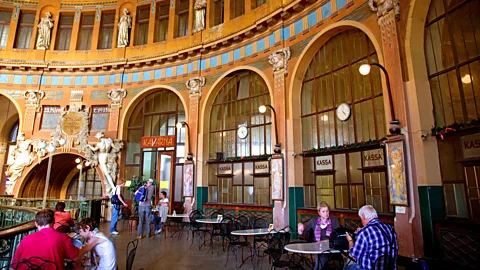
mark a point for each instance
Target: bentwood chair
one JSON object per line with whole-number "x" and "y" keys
{"x": 34, "y": 263}
{"x": 131, "y": 252}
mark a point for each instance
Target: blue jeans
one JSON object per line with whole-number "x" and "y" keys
{"x": 353, "y": 266}
{"x": 144, "y": 216}
{"x": 156, "y": 222}
{"x": 113, "y": 221}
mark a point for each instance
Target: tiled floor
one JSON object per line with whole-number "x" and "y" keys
{"x": 161, "y": 253}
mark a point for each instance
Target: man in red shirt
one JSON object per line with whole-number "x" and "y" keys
{"x": 47, "y": 244}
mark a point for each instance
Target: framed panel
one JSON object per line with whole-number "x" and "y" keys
{"x": 277, "y": 179}
{"x": 397, "y": 175}
{"x": 188, "y": 180}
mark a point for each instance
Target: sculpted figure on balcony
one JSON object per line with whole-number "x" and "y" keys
{"x": 44, "y": 28}
{"x": 123, "y": 29}
{"x": 105, "y": 154}
{"x": 23, "y": 157}
{"x": 200, "y": 6}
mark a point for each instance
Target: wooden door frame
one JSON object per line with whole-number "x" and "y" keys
{"x": 170, "y": 153}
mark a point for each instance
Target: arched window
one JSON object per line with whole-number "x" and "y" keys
{"x": 90, "y": 185}
{"x": 236, "y": 105}
{"x": 452, "y": 51}
{"x": 12, "y": 138}
{"x": 332, "y": 80}
{"x": 237, "y": 130}
{"x": 157, "y": 115}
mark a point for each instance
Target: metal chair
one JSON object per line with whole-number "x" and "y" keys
{"x": 34, "y": 263}
{"x": 131, "y": 253}
{"x": 234, "y": 242}
{"x": 197, "y": 227}
{"x": 243, "y": 221}
{"x": 259, "y": 240}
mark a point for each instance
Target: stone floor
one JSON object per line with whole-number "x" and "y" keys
{"x": 171, "y": 253}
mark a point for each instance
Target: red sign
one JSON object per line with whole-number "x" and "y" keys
{"x": 157, "y": 141}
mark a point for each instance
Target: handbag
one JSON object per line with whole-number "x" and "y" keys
{"x": 115, "y": 200}
{"x": 338, "y": 238}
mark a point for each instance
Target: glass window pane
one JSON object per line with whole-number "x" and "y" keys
{"x": 248, "y": 195}
{"x": 308, "y": 177}
{"x": 340, "y": 169}
{"x": 237, "y": 173}
{"x": 248, "y": 171}
{"x": 262, "y": 191}
{"x": 355, "y": 165}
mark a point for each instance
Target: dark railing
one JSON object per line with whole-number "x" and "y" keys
{"x": 16, "y": 222}
{"x": 17, "y": 219}
{"x": 459, "y": 241}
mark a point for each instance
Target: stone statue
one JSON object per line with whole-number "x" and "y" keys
{"x": 279, "y": 59}
{"x": 44, "y": 27}
{"x": 105, "y": 154}
{"x": 200, "y": 7}
{"x": 116, "y": 96}
{"x": 33, "y": 97}
{"x": 383, "y": 6}
{"x": 194, "y": 86}
{"x": 123, "y": 29}
{"x": 23, "y": 157}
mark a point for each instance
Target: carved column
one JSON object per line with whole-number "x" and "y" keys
{"x": 407, "y": 219}
{"x": 279, "y": 60}
{"x": 32, "y": 106}
{"x": 116, "y": 97}
{"x": 194, "y": 86}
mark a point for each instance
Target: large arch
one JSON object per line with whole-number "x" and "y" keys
{"x": 17, "y": 106}
{"x": 33, "y": 183}
{"x": 204, "y": 121}
{"x": 295, "y": 172}
{"x": 137, "y": 98}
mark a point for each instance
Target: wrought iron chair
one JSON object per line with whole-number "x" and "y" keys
{"x": 34, "y": 263}
{"x": 234, "y": 242}
{"x": 131, "y": 252}
{"x": 197, "y": 227}
{"x": 259, "y": 240}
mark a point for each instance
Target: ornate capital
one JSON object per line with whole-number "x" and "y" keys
{"x": 194, "y": 86}
{"x": 116, "y": 96}
{"x": 33, "y": 98}
{"x": 383, "y": 6}
{"x": 279, "y": 59}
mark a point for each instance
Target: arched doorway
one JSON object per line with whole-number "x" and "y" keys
{"x": 157, "y": 114}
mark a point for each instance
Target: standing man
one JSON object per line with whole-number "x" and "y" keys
{"x": 117, "y": 207}
{"x": 375, "y": 240}
{"x": 47, "y": 244}
{"x": 145, "y": 209}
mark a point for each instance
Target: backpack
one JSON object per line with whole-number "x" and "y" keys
{"x": 141, "y": 194}
{"x": 115, "y": 200}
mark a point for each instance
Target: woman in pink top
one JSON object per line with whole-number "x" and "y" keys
{"x": 62, "y": 218}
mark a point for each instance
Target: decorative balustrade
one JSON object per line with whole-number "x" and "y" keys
{"x": 17, "y": 217}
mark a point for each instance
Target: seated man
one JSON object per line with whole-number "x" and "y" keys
{"x": 162, "y": 211}
{"x": 55, "y": 246}
{"x": 376, "y": 239}
{"x": 62, "y": 218}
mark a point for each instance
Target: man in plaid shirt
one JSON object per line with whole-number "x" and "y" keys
{"x": 376, "y": 239}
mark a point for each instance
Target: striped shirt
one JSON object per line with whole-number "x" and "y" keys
{"x": 374, "y": 240}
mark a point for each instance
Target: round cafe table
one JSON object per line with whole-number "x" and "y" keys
{"x": 179, "y": 225}
{"x": 209, "y": 221}
{"x": 316, "y": 248}
{"x": 252, "y": 232}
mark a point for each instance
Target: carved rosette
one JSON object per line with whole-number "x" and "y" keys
{"x": 384, "y": 6}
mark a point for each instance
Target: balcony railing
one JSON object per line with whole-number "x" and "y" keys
{"x": 17, "y": 217}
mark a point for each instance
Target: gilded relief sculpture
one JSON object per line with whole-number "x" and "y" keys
{"x": 200, "y": 7}
{"x": 123, "y": 29}
{"x": 116, "y": 96}
{"x": 33, "y": 98}
{"x": 279, "y": 59}
{"x": 194, "y": 86}
{"x": 105, "y": 154}
{"x": 44, "y": 32}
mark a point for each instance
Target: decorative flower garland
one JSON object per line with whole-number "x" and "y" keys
{"x": 347, "y": 146}
{"x": 230, "y": 159}
{"x": 440, "y": 131}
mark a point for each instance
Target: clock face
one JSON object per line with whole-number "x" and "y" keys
{"x": 343, "y": 112}
{"x": 242, "y": 132}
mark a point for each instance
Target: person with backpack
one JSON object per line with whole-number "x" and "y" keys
{"x": 117, "y": 201}
{"x": 144, "y": 197}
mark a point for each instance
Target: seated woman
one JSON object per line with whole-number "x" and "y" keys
{"x": 162, "y": 208}
{"x": 319, "y": 228}
{"x": 97, "y": 241}
{"x": 62, "y": 218}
